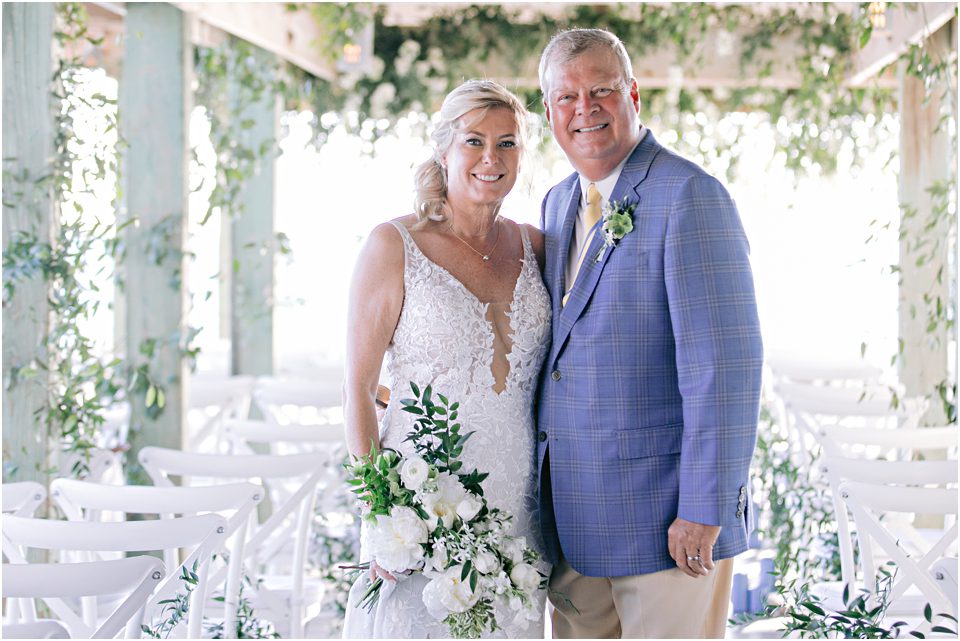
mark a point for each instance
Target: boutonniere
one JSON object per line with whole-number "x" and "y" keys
{"x": 617, "y": 222}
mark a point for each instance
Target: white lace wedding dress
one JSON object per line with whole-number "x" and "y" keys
{"x": 448, "y": 338}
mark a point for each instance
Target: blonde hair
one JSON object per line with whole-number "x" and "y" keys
{"x": 430, "y": 178}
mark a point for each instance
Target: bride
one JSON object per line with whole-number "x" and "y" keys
{"x": 452, "y": 295}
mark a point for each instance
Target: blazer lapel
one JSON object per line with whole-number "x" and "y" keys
{"x": 567, "y": 223}
{"x": 628, "y": 186}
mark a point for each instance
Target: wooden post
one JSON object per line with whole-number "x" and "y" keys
{"x": 252, "y": 246}
{"x": 925, "y": 162}
{"x": 154, "y": 107}
{"x": 28, "y": 206}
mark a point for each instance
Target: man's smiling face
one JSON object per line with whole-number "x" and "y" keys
{"x": 593, "y": 111}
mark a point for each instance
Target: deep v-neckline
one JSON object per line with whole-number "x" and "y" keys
{"x": 510, "y": 312}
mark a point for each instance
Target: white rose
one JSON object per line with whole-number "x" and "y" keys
{"x": 414, "y": 472}
{"x": 442, "y": 504}
{"x": 485, "y": 562}
{"x": 525, "y": 577}
{"x": 468, "y": 507}
{"x": 396, "y": 542}
{"x": 447, "y": 593}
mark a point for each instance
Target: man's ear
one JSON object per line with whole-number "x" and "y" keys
{"x": 546, "y": 109}
{"x": 635, "y": 94}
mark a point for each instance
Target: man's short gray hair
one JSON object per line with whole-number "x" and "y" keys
{"x": 567, "y": 45}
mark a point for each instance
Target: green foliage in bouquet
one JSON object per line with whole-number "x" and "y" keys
{"x": 436, "y": 435}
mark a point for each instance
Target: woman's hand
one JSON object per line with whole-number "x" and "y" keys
{"x": 376, "y": 572}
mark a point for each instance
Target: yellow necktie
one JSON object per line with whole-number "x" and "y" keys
{"x": 591, "y": 214}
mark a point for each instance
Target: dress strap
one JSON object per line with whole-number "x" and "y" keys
{"x": 411, "y": 250}
{"x": 527, "y": 245}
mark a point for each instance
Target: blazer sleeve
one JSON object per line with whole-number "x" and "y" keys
{"x": 719, "y": 352}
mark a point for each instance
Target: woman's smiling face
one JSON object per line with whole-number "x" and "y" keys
{"x": 484, "y": 158}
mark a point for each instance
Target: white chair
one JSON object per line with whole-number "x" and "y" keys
{"x": 135, "y": 577}
{"x": 851, "y": 454}
{"x": 285, "y": 439}
{"x": 809, "y": 407}
{"x": 300, "y": 401}
{"x": 23, "y": 498}
{"x": 201, "y": 534}
{"x": 291, "y": 484}
{"x": 211, "y": 401}
{"x": 913, "y": 585}
{"x": 83, "y": 501}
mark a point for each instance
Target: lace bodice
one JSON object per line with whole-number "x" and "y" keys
{"x": 446, "y": 337}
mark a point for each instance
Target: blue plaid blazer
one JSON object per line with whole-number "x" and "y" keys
{"x": 649, "y": 398}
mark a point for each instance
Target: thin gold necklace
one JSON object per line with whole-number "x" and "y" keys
{"x": 485, "y": 257}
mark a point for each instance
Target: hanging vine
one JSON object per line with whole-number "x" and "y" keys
{"x": 81, "y": 382}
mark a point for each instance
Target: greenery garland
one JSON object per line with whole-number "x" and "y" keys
{"x": 416, "y": 66}
{"x": 80, "y": 383}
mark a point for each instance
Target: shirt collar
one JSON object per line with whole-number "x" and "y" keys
{"x": 607, "y": 184}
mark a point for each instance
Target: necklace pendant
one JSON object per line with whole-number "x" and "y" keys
{"x": 485, "y": 257}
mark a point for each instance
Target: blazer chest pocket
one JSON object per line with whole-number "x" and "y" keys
{"x": 650, "y": 441}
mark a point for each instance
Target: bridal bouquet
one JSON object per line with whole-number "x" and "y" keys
{"x": 426, "y": 514}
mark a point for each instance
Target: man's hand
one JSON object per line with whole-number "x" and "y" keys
{"x": 691, "y": 546}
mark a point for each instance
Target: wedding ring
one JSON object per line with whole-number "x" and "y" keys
{"x": 693, "y": 558}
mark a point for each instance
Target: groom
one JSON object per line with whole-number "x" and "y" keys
{"x": 649, "y": 401}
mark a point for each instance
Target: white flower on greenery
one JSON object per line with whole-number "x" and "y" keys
{"x": 468, "y": 507}
{"x": 485, "y": 562}
{"x": 525, "y": 577}
{"x": 414, "y": 472}
{"x": 396, "y": 542}
{"x": 439, "y": 556}
{"x": 441, "y": 505}
{"x": 513, "y": 548}
{"x": 447, "y": 593}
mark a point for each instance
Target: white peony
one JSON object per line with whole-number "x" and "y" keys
{"x": 468, "y": 507}
{"x": 485, "y": 562}
{"x": 442, "y": 504}
{"x": 446, "y": 593}
{"x": 414, "y": 472}
{"x": 396, "y": 542}
{"x": 525, "y": 577}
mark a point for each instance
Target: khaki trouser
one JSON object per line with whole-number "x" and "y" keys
{"x": 662, "y": 605}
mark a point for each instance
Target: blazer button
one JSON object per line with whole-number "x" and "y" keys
{"x": 542, "y": 436}
{"x": 555, "y": 375}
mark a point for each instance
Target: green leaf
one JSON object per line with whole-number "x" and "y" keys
{"x": 151, "y": 398}
{"x": 928, "y": 612}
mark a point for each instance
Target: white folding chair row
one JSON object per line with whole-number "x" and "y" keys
{"x": 289, "y": 524}
{"x": 23, "y": 497}
{"x": 201, "y": 534}
{"x": 82, "y": 501}
{"x": 913, "y": 585}
{"x": 136, "y": 578}
{"x": 211, "y": 400}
